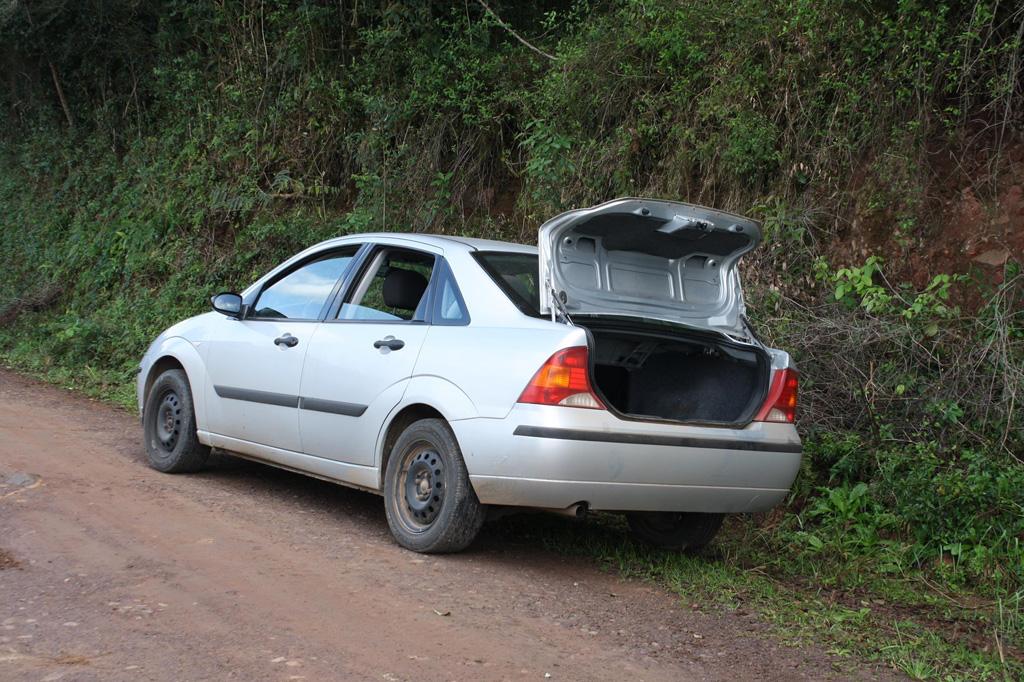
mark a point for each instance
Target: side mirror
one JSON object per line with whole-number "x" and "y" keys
{"x": 227, "y": 303}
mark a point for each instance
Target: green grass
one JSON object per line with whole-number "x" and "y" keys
{"x": 103, "y": 384}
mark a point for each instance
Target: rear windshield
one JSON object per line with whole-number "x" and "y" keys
{"x": 516, "y": 275}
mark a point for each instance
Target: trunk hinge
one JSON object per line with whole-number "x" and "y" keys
{"x": 558, "y": 308}
{"x": 751, "y": 336}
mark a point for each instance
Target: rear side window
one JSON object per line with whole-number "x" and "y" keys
{"x": 449, "y": 308}
{"x": 516, "y": 275}
{"x": 393, "y": 289}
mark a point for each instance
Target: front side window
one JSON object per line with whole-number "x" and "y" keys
{"x": 393, "y": 288}
{"x": 302, "y": 293}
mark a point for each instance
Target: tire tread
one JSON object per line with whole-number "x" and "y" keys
{"x": 459, "y": 524}
{"x": 189, "y": 454}
{"x": 694, "y": 531}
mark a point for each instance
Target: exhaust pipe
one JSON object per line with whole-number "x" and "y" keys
{"x": 576, "y": 511}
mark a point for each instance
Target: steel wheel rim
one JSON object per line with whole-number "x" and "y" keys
{"x": 167, "y": 421}
{"x": 419, "y": 488}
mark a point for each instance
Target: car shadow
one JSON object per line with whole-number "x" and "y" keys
{"x": 504, "y": 535}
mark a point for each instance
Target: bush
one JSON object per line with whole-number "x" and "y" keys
{"x": 201, "y": 143}
{"x": 968, "y": 506}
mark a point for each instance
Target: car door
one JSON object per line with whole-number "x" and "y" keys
{"x": 361, "y": 357}
{"x": 255, "y": 363}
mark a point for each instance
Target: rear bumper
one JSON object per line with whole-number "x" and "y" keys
{"x": 555, "y": 457}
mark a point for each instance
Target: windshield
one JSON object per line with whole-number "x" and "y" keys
{"x": 516, "y": 275}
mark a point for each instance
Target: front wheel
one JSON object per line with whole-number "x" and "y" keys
{"x": 688, "y": 531}
{"x": 169, "y": 426}
{"x": 430, "y": 504}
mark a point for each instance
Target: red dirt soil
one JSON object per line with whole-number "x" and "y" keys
{"x": 971, "y": 221}
{"x": 115, "y": 571}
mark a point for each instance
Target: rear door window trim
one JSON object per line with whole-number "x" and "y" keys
{"x": 360, "y": 270}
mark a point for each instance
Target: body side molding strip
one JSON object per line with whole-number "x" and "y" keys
{"x": 332, "y": 407}
{"x": 285, "y": 400}
{"x": 652, "y": 439}
{"x": 251, "y": 396}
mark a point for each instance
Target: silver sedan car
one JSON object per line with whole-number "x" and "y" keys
{"x": 612, "y": 369}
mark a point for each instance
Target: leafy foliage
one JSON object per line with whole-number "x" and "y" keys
{"x": 154, "y": 152}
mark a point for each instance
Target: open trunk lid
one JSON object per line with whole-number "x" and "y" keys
{"x": 647, "y": 258}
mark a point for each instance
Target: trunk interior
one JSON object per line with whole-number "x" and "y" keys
{"x": 653, "y": 372}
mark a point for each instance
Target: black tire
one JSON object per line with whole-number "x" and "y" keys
{"x": 430, "y": 505}
{"x": 169, "y": 426}
{"x": 689, "y": 531}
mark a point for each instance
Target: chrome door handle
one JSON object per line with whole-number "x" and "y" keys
{"x": 389, "y": 342}
{"x": 286, "y": 340}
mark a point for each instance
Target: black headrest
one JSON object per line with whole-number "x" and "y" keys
{"x": 403, "y": 288}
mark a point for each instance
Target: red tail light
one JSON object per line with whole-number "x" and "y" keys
{"x": 781, "y": 403}
{"x": 563, "y": 380}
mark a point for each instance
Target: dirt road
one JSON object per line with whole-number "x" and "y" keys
{"x": 110, "y": 570}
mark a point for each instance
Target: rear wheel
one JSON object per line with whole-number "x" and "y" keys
{"x": 169, "y": 426}
{"x": 430, "y": 504}
{"x": 688, "y": 531}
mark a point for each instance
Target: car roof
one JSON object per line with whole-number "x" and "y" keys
{"x": 438, "y": 240}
